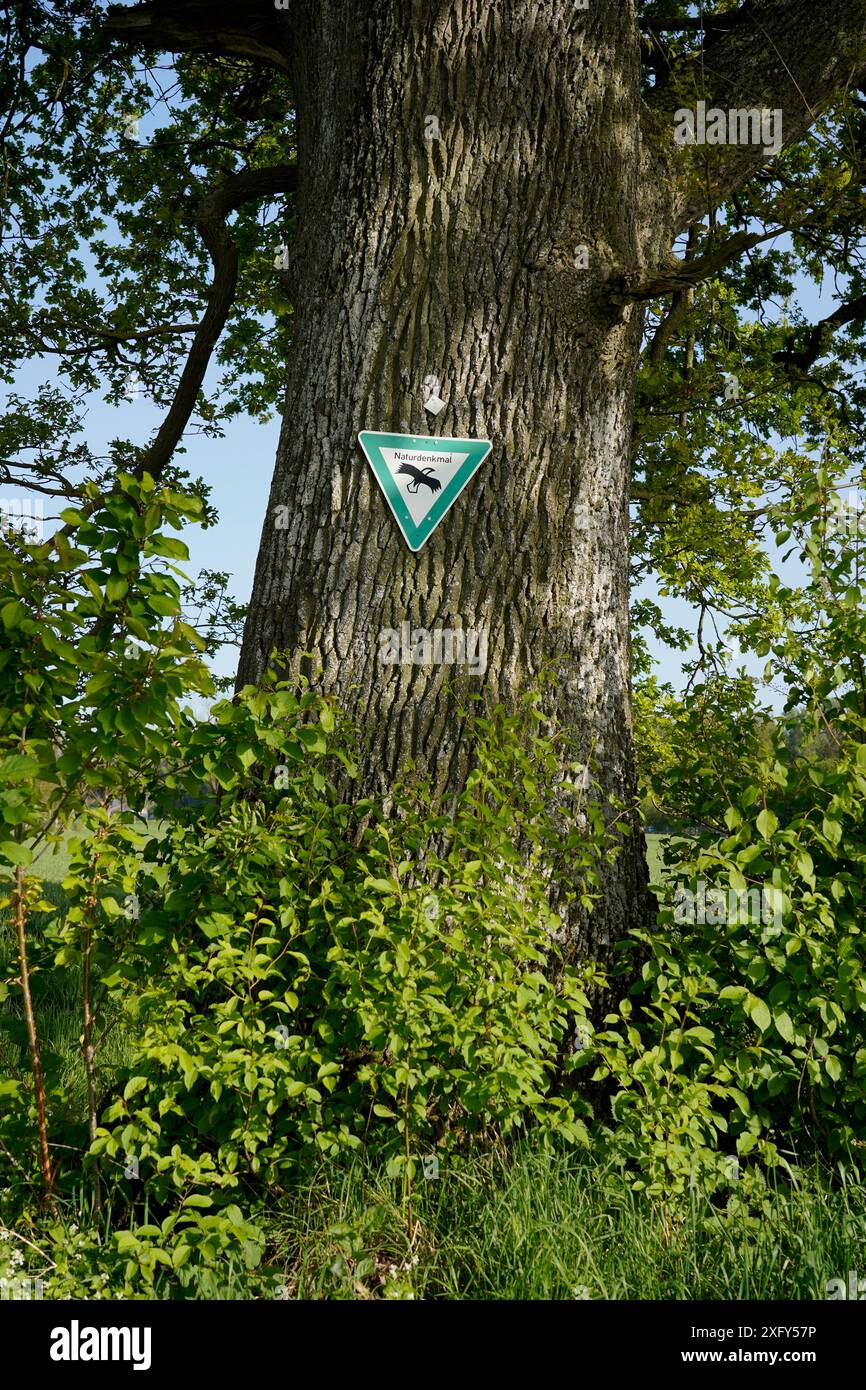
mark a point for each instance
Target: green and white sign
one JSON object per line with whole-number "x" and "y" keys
{"x": 421, "y": 476}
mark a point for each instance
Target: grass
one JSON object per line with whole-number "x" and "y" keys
{"x": 533, "y": 1227}
{"x": 654, "y": 856}
{"x": 52, "y": 862}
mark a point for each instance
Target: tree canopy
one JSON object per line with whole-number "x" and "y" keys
{"x": 148, "y": 166}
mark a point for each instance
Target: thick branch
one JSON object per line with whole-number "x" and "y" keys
{"x": 211, "y": 223}
{"x": 667, "y": 326}
{"x": 242, "y": 28}
{"x": 649, "y": 283}
{"x": 790, "y": 56}
{"x": 820, "y": 335}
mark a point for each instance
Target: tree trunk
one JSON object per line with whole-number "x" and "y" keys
{"x": 479, "y": 257}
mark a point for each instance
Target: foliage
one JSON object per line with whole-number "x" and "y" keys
{"x": 269, "y": 977}
{"x": 295, "y": 975}
{"x": 750, "y": 1022}
{"x": 107, "y": 156}
{"x": 292, "y": 975}
{"x": 310, "y": 976}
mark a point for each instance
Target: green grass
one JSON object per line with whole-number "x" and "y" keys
{"x": 52, "y": 862}
{"x": 656, "y": 845}
{"x": 654, "y": 856}
{"x": 532, "y": 1227}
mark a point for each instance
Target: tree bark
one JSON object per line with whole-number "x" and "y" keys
{"x": 460, "y": 257}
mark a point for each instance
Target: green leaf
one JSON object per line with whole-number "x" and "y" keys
{"x": 758, "y": 1012}
{"x": 832, "y": 830}
{"x": 12, "y": 613}
{"x": 15, "y": 853}
{"x": 18, "y": 767}
{"x": 312, "y": 739}
{"x": 733, "y": 992}
{"x": 767, "y": 823}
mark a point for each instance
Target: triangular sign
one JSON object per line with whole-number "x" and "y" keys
{"x": 421, "y": 476}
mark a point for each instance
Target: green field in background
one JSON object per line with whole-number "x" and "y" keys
{"x": 52, "y": 863}
{"x": 654, "y": 856}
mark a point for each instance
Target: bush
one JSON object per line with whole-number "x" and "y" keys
{"x": 308, "y": 977}
{"x": 747, "y": 1026}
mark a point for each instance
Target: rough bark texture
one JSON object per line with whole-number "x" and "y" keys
{"x": 459, "y": 258}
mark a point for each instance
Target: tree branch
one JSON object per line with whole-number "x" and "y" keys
{"x": 242, "y": 28}
{"x": 709, "y": 23}
{"x": 791, "y": 56}
{"x": 667, "y": 326}
{"x": 211, "y": 224}
{"x": 651, "y": 282}
{"x": 36, "y": 327}
{"x": 820, "y": 335}
{"x": 60, "y": 488}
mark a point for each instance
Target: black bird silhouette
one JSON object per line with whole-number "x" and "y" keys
{"x": 419, "y": 476}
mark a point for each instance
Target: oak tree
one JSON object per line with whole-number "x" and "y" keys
{"x": 496, "y": 195}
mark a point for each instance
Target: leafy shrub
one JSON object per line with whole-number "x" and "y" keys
{"x": 308, "y": 977}
{"x": 747, "y": 1027}
{"x": 287, "y": 976}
